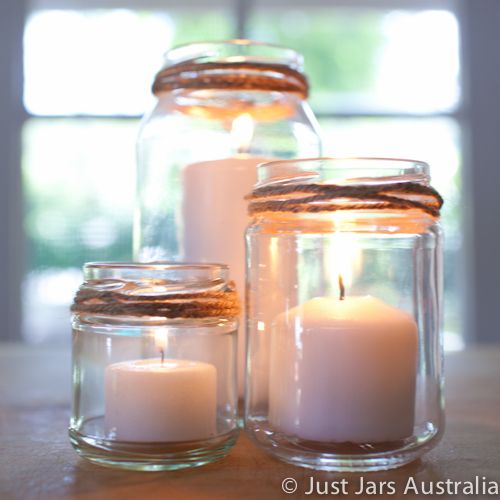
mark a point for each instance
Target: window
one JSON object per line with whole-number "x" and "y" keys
{"x": 370, "y": 61}
{"x": 108, "y": 59}
{"x": 85, "y": 97}
{"x": 385, "y": 82}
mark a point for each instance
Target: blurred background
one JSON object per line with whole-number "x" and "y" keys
{"x": 400, "y": 78}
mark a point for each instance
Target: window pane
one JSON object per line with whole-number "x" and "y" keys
{"x": 103, "y": 62}
{"x": 436, "y": 141}
{"x": 370, "y": 60}
{"x": 78, "y": 181}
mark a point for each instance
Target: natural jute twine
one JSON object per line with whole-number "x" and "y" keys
{"x": 208, "y": 304}
{"x": 231, "y": 76}
{"x": 315, "y": 198}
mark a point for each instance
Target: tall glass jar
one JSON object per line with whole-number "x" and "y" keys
{"x": 222, "y": 108}
{"x": 154, "y": 365}
{"x": 344, "y": 313}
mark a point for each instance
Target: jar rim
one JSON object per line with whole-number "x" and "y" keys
{"x": 343, "y": 170}
{"x": 314, "y": 185}
{"x": 234, "y": 50}
{"x": 177, "y": 272}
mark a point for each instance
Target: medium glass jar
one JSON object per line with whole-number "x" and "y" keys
{"x": 344, "y": 313}
{"x": 222, "y": 108}
{"x": 154, "y": 365}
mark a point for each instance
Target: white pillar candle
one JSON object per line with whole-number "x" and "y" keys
{"x": 343, "y": 371}
{"x": 152, "y": 401}
{"x": 214, "y": 214}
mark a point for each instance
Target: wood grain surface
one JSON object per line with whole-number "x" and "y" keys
{"x": 37, "y": 461}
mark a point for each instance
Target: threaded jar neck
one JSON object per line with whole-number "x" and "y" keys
{"x": 348, "y": 190}
{"x": 243, "y": 65}
{"x": 157, "y": 290}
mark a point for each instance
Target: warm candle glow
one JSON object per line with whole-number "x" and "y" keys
{"x": 242, "y": 132}
{"x": 161, "y": 343}
{"x": 342, "y": 258}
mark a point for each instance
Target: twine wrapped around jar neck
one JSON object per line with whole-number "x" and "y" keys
{"x": 220, "y": 303}
{"x": 314, "y": 198}
{"x": 221, "y": 75}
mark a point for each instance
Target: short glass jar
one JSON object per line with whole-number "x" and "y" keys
{"x": 222, "y": 108}
{"x": 344, "y": 313}
{"x": 154, "y": 365}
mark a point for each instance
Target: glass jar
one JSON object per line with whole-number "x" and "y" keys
{"x": 222, "y": 108}
{"x": 344, "y": 313}
{"x": 154, "y": 365}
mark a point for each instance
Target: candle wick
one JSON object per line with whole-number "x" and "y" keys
{"x": 341, "y": 288}
{"x": 162, "y": 356}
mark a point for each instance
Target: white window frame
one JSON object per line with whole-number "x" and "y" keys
{"x": 12, "y": 244}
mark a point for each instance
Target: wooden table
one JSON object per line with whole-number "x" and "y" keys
{"x": 37, "y": 461}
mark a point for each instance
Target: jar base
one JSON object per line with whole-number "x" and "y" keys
{"x": 341, "y": 457}
{"x": 152, "y": 457}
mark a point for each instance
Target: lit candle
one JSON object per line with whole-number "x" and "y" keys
{"x": 160, "y": 400}
{"x": 343, "y": 370}
{"x": 214, "y": 211}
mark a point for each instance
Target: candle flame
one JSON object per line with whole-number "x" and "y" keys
{"x": 342, "y": 259}
{"x": 242, "y": 132}
{"x": 161, "y": 341}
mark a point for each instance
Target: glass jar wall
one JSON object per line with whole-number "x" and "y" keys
{"x": 154, "y": 365}
{"x": 344, "y": 313}
{"x": 222, "y": 108}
